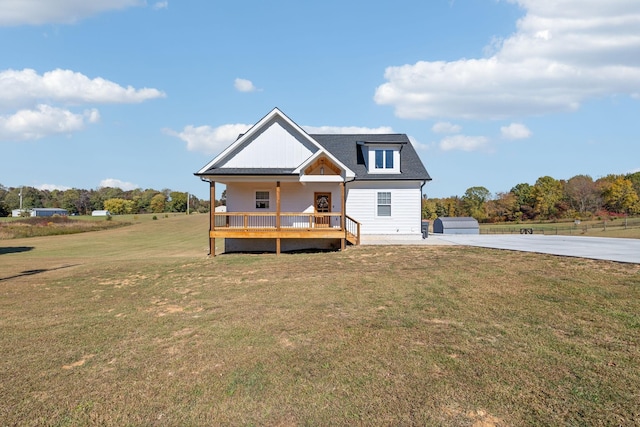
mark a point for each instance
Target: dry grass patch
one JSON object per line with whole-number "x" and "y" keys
{"x": 373, "y": 335}
{"x": 52, "y": 226}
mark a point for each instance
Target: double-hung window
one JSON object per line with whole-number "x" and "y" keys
{"x": 384, "y": 159}
{"x": 384, "y": 203}
{"x": 262, "y": 200}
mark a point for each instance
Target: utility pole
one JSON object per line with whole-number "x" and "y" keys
{"x": 188, "y": 200}
{"x": 20, "y": 200}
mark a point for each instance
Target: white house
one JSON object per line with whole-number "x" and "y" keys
{"x": 289, "y": 190}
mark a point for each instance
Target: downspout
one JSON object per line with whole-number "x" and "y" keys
{"x": 344, "y": 207}
{"x": 211, "y": 217}
{"x": 421, "y": 193}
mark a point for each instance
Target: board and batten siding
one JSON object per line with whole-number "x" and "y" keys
{"x": 405, "y": 219}
{"x": 274, "y": 147}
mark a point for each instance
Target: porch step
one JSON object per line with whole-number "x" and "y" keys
{"x": 353, "y": 239}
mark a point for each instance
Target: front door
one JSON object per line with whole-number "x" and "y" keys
{"x": 322, "y": 205}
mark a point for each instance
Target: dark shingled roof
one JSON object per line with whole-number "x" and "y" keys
{"x": 247, "y": 171}
{"x": 349, "y": 152}
{"x": 348, "y": 149}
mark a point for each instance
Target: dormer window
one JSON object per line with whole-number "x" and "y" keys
{"x": 384, "y": 159}
{"x": 381, "y": 158}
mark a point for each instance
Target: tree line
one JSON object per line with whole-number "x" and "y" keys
{"x": 580, "y": 197}
{"x": 115, "y": 200}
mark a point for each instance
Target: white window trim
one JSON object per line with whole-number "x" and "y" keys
{"x": 267, "y": 200}
{"x": 377, "y": 205}
{"x": 384, "y": 148}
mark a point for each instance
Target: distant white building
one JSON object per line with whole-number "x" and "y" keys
{"x": 101, "y": 213}
{"x": 18, "y": 212}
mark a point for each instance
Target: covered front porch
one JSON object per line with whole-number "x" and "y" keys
{"x": 316, "y": 222}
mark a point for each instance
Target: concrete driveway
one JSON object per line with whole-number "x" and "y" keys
{"x": 621, "y": 250}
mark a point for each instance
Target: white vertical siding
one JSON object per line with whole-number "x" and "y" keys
{"x": 362, "y": 200}
{"x": 275, "y": 147}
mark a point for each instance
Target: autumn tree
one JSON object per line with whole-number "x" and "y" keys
{"x": 4, "y": 209}
{"x": 620, "y": 196}
{"x": 635, "y": 181}
{"x": 119, "y": 206}
{"x": 428, "y": 208}
{"x": 547, "y": 193}
{"x": 70, "y": 200}
{"x": 84, "y": 202}
{"x": 144, "y": 201}
{"x": 504, "y": 207}
{"x": 157, "y": 203}
{"x": 523, "y": 193}
{"x": 583, "y": 194}
{"x": 177, "y": 201}
{"x": 474, "y": 200}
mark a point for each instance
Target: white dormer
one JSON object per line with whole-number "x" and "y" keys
{"x": 382, "y": 158}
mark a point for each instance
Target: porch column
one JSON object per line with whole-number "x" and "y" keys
{"x": 343, "y": 217}
{"x": 212, "y": 218}
{"x": 278, "y": 216}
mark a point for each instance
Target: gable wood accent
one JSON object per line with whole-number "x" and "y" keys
{"x": 329, "y": 167}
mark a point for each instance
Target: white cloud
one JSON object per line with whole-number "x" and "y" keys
{"x": 417, "y": 144}
{"x": 244, "y": 85}
{"x": 51, "y": 187}
{"x": 116, "y": 183}
{"x": 515, "y": 131}
{"x": 37, "y": 12}
{"x": 92, "y": 115}
{"x": 31, "y": 99}
{"x": 207, "y": 139}
{"x": 463, "y": 143}
{"x": 20, "y": 87}
{"x": 563, "y": 53}
{"x": 161, "y": 5}
{"x": 346, "y": 130}
{"x": 42, "y": 121}
{"x": 446, "y": 127}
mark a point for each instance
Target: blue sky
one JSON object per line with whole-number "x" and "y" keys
{"x": 492, "y": 93}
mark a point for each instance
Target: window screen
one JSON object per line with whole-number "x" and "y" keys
{"x": 384, "y": 203}
{"x": 262, "y": 200}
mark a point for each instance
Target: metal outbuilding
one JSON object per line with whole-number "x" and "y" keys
{"x": 48, "y": 212}
{"x": 456, "y": 225}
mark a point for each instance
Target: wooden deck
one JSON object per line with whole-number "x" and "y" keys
{"x": 252, "y": 225}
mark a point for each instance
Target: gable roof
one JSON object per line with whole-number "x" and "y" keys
{"x": 274, "y": 116}
{"x": 345, "y": 150}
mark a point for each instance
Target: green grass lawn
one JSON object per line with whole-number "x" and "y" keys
{"x": 136, "y": 326}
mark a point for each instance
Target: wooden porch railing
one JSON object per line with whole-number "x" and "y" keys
{"x": 252, "y": 220}
{"x": 288, "y": 224}
{"x": 353, "y": 230}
